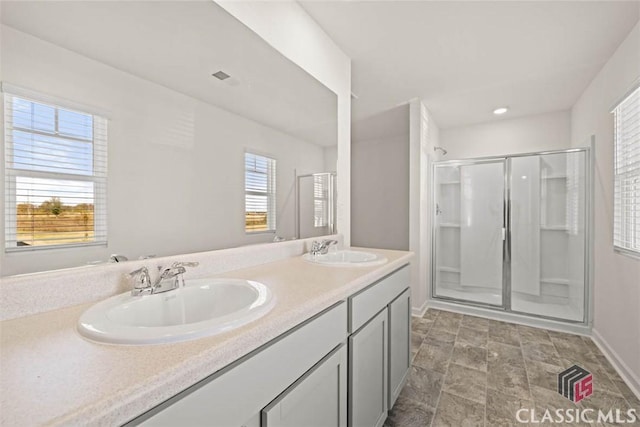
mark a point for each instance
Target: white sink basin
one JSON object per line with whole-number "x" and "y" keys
{"x": 346, "y": 258}
{"x": 203, "y": 307}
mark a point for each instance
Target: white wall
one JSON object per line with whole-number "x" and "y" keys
{"x": 289, "y": 29}
{"x": 616, "y": 282}
{"x": 550, "y": 131}
{"x": 175, "y": 163}
{"x": 380, "y": 181}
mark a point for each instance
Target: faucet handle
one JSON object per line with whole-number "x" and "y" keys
{"x": 185, "y": 264}
{"x": 141, "y": 278}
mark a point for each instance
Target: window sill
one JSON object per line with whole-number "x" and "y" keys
{"x": 627, "y": 252}
{"x": 52, "y": 247}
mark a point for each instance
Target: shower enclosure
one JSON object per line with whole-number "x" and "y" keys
{"x": 315, "y": 204}
{"x": 511, "y": 233}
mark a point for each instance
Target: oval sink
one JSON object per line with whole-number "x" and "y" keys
{"x": 346, "y": 258}
{"x": 203, "y": 307}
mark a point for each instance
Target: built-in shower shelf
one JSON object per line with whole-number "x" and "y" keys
{"x": 449, "y": 182}
{"x": 555, "y": 281}
{"x": 554, "y": 228}
{"x": 448, "y": 269}
{"x": 449, "y": 225}
{"x": 554, "y": 177}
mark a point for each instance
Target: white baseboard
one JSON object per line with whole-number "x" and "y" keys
{"x": 618, "y": 364}
{"x": 419, "y": 311}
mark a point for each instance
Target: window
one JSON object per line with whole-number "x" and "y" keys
{"x": 626, "y": 228}
{"x": 260, "y": 193}
{"x": 55, "y": 175}
{"x": 321, "y": 200}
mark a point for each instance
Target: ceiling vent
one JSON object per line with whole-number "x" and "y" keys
{"x": 221, "y": 75}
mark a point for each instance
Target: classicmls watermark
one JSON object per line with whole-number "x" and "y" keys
{"x": 575, "y": 415}
{"x": 576, "y": 384}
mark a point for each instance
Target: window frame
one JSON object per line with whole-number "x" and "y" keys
{"x": 271, "y": 192}
{"x": 621, "y": 206}
{"x": 11, "y": 174}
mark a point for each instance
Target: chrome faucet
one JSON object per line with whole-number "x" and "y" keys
{"x": 169, "y": 279}
{"x": 321, "y": 247}
{"x": 141, "y": 282}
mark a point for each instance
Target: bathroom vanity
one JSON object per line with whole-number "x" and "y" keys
{"x": 301, "y": 378}
{"x": 335, "y": 348}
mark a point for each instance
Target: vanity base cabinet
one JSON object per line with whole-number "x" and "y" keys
{"x": 379, "y": 348}
{"x": 318, "y": 399}
{"x": 368, "y": 364}
{"x": 399, "y": 344}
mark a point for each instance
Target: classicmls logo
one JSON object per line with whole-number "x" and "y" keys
{"x": 575, "y": 383}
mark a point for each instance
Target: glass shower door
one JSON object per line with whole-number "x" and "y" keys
{"x": 548, "y": 234}
{"x": 469, "y": 231}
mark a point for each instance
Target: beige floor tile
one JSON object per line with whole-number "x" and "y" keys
{"x": 502, "y": 409}
{"x": 509, "y": 379}
{"x": 540, "y": 352}
{"x": 505, "y": 333}
{"x": 470, "y": 356}
{"x": 475, "y": 322}
{"x": 423, "y": 385}
{"x": 441, "y": 335}
{"x": 531, "y": 335}
{"x": 446, "y": 323}
{"x": 434, "y": 355}
{"x": 455, "y": 411}
{"x": 420, "y": 326}
{"x": 409, "y": 413}
{"x": 472, "y": 337}
{"x": 466, "y": 382}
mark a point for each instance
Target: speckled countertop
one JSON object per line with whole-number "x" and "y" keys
{"x": 50, "y": 375}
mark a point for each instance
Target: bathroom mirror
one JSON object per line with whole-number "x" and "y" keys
{"x": 208, "y": 128}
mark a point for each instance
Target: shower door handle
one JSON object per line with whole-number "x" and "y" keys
{"x": 504, "y": 234}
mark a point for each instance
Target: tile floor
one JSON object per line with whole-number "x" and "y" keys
{"x": 470, "y": 371}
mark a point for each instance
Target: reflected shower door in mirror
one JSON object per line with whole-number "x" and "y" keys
{"x": 469, "y": 230}
{"x": 548, "y": 235}
{"x": 315, "y": 204}
{"x": 186, "y": 90}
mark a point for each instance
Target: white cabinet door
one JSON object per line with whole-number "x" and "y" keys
{"x": 399, "y": 344}
{"x": 317, "y": 399}
{"x": 368, "y": 373}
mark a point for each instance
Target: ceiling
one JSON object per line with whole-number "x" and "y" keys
{"x": 464, "y": 59}
{"x": 179, "y": 44}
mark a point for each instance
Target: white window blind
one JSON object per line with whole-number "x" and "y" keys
{"x": 626, "y": 228}
{"x": 260, "y": 193}
{"x": 55, "y": 175}
{"x": 320, "y": 200}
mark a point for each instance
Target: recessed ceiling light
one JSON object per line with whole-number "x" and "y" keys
{"x": 500, "y": 110}
{"x": 221, "y": 75}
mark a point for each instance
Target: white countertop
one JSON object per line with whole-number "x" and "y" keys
{"x": 50, "y": 375}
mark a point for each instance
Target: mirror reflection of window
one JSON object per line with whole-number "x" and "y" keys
{"x": 260, "y": 193}
{"x": 55, "y": 170}
{"x": 320, "y": 200}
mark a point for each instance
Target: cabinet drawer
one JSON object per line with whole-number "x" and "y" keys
{"x": 230, "y": 397}
{"x": 369, "y": 301}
